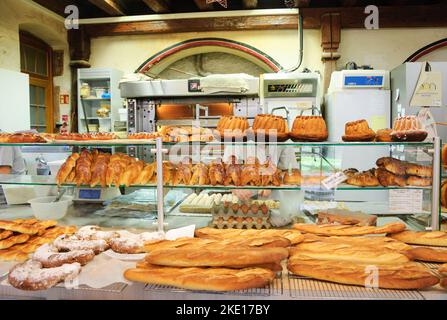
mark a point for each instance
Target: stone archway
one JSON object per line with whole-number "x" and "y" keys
{"x": 218, "y": 49}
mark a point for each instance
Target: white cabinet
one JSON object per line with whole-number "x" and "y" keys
{"x": 103, "y": 94}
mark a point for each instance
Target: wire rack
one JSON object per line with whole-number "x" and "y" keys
{"x": 431, "y": 265}
{"x": 274, "y": 289}
{"x": 306, "y": 288}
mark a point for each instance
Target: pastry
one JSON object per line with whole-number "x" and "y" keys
{"x": 427, "y": 238}
{"x": 392, "y": 165}
{"x": 32, "y": 276}
{"x": 225, "y": 257}
{"x": 132, "y": 243}
{"x": 131, "y": 173}
{"x": 216, "y": 172}
{"x": 200, "y": 175}
{"x": 427, "y": 254}
{"x": 346, "y": 230}
{"x": 292, "y": 177}
{"x": 358, "y": 131}
{"x": 408, "y": 275}
{"x": 50, "y": 257}
{"x": 270, "y": 174}
{"x": 66, "y": 243}
{"x": 232, "y": 172}
{"x": 408, "y": 128}
{"x": 13, "y": 240}
{"x": 384, "y": 135}
{"x": 18, "y": 227}
{"x": 345, "y": 217}
{"x": 66, "y": 168}
{"x": 293, "y": 235}
{"x": 146, "y": 175}
{"x": 388, "y": 179}
{"x": 213, "y": 279}
{"x": 418, "y": 170}
{"x": 363, "y": 179}
{"x": 309, "y": 128}
{"x": 95, "y": 233}
{"x": 267, "y": 127}
{"x": 25, "y": 138}
{"x": 250, "y": 173}
{"x": 418, "y": 181}
{"x": 183, "y": 172}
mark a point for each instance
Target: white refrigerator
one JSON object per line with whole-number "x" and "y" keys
{"x": 347, "y": 102}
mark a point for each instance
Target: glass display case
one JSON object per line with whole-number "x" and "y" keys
{"x": 311, "y": 177}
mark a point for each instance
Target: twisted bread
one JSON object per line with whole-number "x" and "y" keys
{"x": 428, "y": 238}
{"x": 9, "y": 242}
{"x": 5, "y": 234}
{"x": 180, "y": 257}
{"x": 20, "y": 228}
{"x": 346, "y": 230}
{"x": 31, "y": 276}
{"x": 293, "y": 236}
{"x": 213, "y": 279}
{"x": 13, "y": 255}
{"x": 408, "y": 275}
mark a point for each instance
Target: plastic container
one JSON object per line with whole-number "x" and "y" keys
{"x": 18, "y": 194}
{"x": 45, "y": 209}
{"x": 123, "y": 114}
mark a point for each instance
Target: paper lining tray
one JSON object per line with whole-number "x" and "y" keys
{"x": 273, "y": 289}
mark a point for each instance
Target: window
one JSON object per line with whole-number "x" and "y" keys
{"x": 35, "y": 59}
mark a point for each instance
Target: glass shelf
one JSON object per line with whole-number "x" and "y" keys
{"x": 125, "y": 142}
{"x": 31, "y": 180}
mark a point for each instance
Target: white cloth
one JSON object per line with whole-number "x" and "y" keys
{"x": 12, "y": 157}
{"x": 225, "y": 83}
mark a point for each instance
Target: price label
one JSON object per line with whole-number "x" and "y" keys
{"x": 334, "y": 180}
{"x": 405, "y": 201}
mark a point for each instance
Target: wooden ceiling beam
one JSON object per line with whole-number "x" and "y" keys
{"x": 302, "y": 3}
{"x": 158, "y": 6}
{"x": 203, "y": 6}
{"x": 349, "y": 3}
{"x": 111, "y": 7}
{"x": 250, "y": 4}
{"x": 350, "y": 17}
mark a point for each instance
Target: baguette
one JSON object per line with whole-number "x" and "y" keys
{"x": 408, "y": 275}
{"x": 275, "y": 267}
{"x": 443, "y": 269}
{"x": 342, "y": 252}
{"x": 237, "y": 242}
{"x": 212, "y": 279}
{"x": 179, "y": 257}
{"x": 376, "y": 241}
{"x": 428, "y": 238}
{"x": 346, "y": 230}
{"x": 427, "y": 254}
{"x": 294, "y": 236}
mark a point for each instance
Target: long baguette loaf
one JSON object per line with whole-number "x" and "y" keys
{"x": 399, "y": 276}
{"x": 275, "y": 267}
{"x": 428, "y": 238}
{"x": 212, "y": 279}
{"x": 339, "y": 252}
{"x": 346, "y": 230}
{"x": 427, "y": 254}
{"x": 179, "y": 257}
{"x": 294, "y": 236}
{"x": 237, "y": 242}
{"x": 443, "y": 269}
{"x": 373, "y": 241}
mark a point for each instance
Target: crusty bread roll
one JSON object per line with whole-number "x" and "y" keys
{"x": 346, "y": 230}
{"x": 427, "y": 254}
{"x": 427, "y": 238}
{"x": 345, "y": 252}
{"x": 293, "y": 235}
{"x": 213, "y": 279}
{"x": 221, "y": 257}
{"x": 408, "y": 275}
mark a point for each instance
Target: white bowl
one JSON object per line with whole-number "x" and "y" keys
{"x": 44, "y": 209}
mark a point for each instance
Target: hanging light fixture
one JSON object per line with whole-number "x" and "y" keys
{"x": 223, "y": 3}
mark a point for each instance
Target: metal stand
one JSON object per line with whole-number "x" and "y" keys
{"x": 159, "y": 151}
{"x": 435, "y": 209}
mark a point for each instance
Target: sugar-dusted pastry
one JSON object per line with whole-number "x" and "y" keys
{"x": 408, "y": 128}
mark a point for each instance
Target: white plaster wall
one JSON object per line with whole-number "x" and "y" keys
{"x": 24, "y": 15}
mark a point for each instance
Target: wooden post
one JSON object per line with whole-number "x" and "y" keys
{"x": 330, "y": 41}
{"x": 79, "y": 43}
